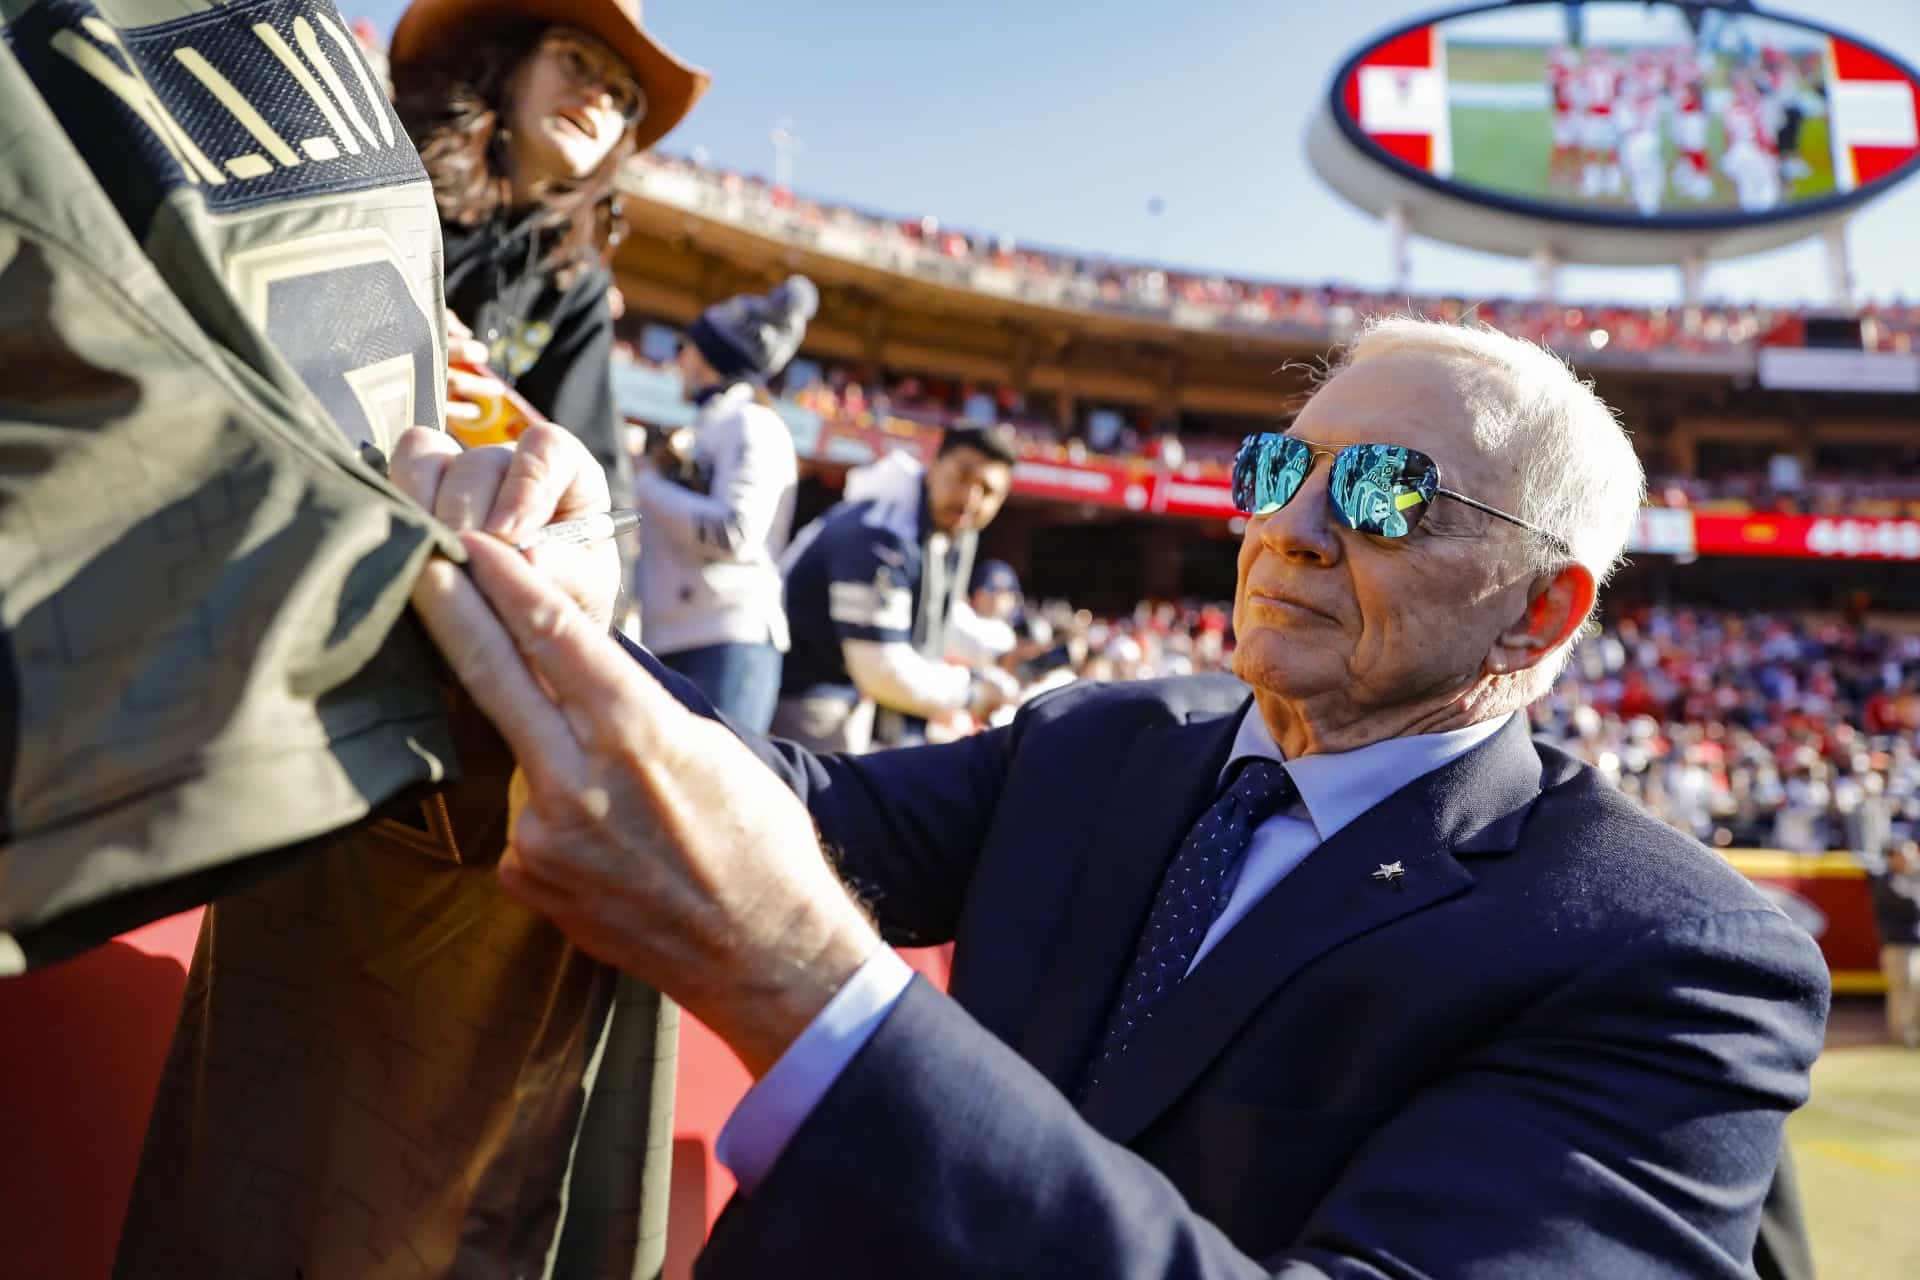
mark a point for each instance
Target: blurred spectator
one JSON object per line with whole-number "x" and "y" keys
{"x": 1896, "y": 910}
{"x": 718, "y": 517}
{"x": 981, "y": 630}
{"x": 523, "y": 124}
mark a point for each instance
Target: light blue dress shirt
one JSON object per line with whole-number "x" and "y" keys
{"x": 1334, "y": 790}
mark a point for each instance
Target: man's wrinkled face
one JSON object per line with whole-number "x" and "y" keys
{"x": 1362, "y": 623}
{"x": 966, "y": 490}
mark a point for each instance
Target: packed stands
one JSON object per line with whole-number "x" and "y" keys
{"x": 1741, "y": 729}
{"x": 1895, "y": 493}
{"x": 1315, "y": 312}
{"x": 832, "y": 395}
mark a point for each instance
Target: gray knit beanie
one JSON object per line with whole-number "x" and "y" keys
{"x": 754, "y": 336}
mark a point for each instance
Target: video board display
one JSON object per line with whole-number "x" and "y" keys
{"x": 1623, "y": 111}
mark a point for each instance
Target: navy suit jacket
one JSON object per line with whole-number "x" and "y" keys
{"x": 1563, "y": 1044}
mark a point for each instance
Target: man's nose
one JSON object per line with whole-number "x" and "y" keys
{"x": 1303, "y": 530}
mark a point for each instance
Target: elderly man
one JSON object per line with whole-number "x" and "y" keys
{"x": 1346, "y": 978}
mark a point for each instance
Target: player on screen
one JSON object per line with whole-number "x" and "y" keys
{"x": 1752, "y": 159}
{"x": 1641, "y": 114}
{"x": 1563, "y": 75}
{"x": 1691, "y": 175}
{"x": 1786, "y": 91}
{"x": 1601, "y": 80}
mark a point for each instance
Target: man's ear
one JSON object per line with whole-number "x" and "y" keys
{"x": 1557, "y": 607}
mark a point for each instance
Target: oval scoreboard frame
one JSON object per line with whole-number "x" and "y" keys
{"x": 1663, "y": 235}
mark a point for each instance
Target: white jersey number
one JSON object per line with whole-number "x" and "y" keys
{"x": 338, "y": 308}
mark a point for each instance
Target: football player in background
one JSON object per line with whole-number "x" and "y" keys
{"x": 1692, "y": 177}
{"x": 1601, "y": 81}
{"x": 1752, "y": 158}
{"x": 1563, "y": 74}
{"x": 1642, "y": 141}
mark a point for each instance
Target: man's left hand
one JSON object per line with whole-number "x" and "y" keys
{"x": 650, "y": 835}
{"x": 513, "y": 491}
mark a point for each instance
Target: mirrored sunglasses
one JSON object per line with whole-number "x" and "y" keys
{"x": 1378, "y": 489}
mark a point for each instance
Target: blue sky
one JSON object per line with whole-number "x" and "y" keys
{"x": 1057, "y": 122}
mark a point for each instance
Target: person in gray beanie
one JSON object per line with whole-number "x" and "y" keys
{"x": 709, "y": 576}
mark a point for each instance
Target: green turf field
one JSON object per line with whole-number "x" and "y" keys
{"x": 1857, "y": 1149}
{"x": 1508, "y": 150}
{"x": 1496, "y": 63}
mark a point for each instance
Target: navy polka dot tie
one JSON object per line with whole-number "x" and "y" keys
{"x": 1191, "y": 897}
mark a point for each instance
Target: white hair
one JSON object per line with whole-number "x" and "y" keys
{"x": 1578, "y": 475}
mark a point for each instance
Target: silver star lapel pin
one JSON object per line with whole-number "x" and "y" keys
{"x": 1390, "y": 872}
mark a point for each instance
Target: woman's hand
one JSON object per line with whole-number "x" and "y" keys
{"x": 469, "y": 388}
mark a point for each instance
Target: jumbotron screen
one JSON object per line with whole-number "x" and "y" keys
{"x": 1638, "y": 110}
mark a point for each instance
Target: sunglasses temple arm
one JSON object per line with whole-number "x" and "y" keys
{"x": 1559, "y": 543}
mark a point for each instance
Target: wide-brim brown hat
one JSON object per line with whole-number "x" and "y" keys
{"x": 430, "y": 27}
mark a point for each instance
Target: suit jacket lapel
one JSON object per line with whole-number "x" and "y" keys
{"x": 1474, "y": 806}
{"x": 1167, "y": 780}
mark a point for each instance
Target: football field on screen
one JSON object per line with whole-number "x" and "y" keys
{"x": 1507, "y": 149}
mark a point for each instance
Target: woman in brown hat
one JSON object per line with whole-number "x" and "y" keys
{"x": 523, "y": 111}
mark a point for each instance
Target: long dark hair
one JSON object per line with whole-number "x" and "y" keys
{"x": 455, "y": 106}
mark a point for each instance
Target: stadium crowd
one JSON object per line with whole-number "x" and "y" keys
{"x": 1893, "y": 492}
{"x": 1320, "y": 312}
{"x": 1745, "y": 729}
{"x": 837, "y": 393}
{"x": 1741, "y": 729}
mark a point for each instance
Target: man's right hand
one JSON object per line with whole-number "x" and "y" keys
{"x": 513, "y": 491}
{"x": 651, "y": 836}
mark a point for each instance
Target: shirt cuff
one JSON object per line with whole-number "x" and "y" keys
{"x": 775, "y": 1108}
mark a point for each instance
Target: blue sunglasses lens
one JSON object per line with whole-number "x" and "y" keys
{"x": 1382, "y": 489}
{"x": 1267, "y": 472}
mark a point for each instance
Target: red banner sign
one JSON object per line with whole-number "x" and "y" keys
{"x": 1819, "y": 537}
{"x": 1132, "y": 488}
{"x": 1179, "y": 497}
{"x": 1103, "y": 486}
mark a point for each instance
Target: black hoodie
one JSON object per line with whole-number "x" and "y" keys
{"x": 552, "y": 345}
